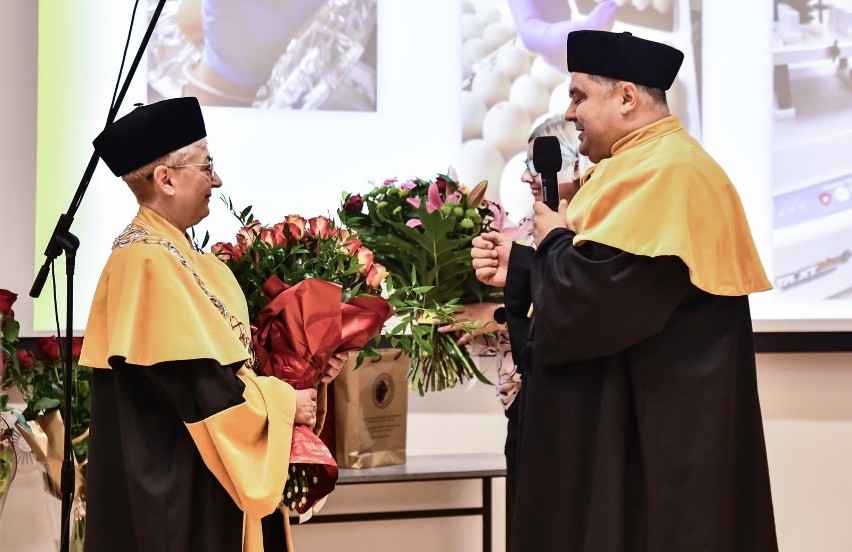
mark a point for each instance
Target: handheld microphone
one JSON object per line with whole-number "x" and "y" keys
{"x": 547, "y": 160}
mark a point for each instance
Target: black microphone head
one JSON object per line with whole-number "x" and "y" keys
{"x": 547, "y": 157}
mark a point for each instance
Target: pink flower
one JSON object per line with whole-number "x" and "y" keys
{"x": 413, "y": 223}
{"x": 499, "y": 215}
{"x": 389, "y": 181}
{"x": 408, "y": 185}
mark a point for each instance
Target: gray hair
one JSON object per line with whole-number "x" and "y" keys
{"x": 557, "y": 126}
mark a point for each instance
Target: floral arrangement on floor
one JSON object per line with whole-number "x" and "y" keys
{"x": 313, "y": 290}
{"x": 39, "y": 380}
{"x": 421, "y": 231}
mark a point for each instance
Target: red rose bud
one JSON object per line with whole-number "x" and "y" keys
{"x": 354, "y": 203}
{"x": 442, "y": 184}
{"x": 26, "y": 359}
{"x": 48, "y": 348}
{"x": 7, "y": 299}
{"x": 76, "y": 347}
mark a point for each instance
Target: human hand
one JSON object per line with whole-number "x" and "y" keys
{"x": 546, "y": 220}
{"x": 490, "y": 253}
{"x": 334, "y": 367}
{"x": 479, "y": 314}
{"x": 306, "y": 407}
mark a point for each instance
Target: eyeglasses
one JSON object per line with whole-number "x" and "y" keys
{"x": 530, "y": 166}
{"x": 208, "y": 171}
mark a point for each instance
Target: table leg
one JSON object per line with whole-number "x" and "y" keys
{"x": 486, "y": 514}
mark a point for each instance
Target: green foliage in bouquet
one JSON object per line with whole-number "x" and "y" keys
{"x": 421, "y": 231}
{"x": 39, "y": 380}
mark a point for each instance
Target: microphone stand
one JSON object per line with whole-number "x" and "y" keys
{"x": 62, "y": 240}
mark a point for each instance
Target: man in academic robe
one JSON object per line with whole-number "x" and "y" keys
{"x": 188, "y": 449}
{"x": 640, "y": 421}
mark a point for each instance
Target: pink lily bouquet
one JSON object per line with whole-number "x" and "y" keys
{"x": 421, "y": 232}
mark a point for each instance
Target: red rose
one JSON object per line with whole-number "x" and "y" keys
{"x": 365, "y": 259}
{"x": 295, "y": 226}
{"x": 76, "y": 347}
{"x": 354, "y": 203}
{"x": 320, "y": 227}
{"x": 48, "y": 347}
{"x": 26, "y": 359}
{"x": 352, "y": 245}
{"x": 226, "y": 251}
{"x": 376, "y": 275}
{"x": 7, "y": 299}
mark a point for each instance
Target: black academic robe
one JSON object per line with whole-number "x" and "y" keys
{"x": 153, "y": 490}
{"x": 640, "y": 422}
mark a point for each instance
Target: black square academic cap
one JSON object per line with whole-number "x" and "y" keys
{"x": 149, "y": 132}
{"x": 623, "y": 56}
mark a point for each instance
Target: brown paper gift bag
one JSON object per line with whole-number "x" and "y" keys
{"x": 371, "y": 409}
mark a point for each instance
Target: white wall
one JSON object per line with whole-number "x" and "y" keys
{"x": 805, "y": 398}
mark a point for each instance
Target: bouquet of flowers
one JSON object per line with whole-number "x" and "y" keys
{"x": 313, "y": 290}
{"x": 39, "y": 380}
{"x": 421, "y": 230}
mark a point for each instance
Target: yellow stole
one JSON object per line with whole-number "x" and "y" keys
{"x": 149, "y": 308}
{"x": 661, "y": 194}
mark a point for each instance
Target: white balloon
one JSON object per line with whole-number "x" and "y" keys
{"x": 512, "y": 61}
{"x": 487, "y": 13}
{"x": 548, "y": 76}
{"x": 641, "y": 4}
{"x": 473, "y": 111}
{"x": 506, "y": 126}
{"x": 497, "y": 34}
{"x": 467, "y": 7}
{"x": 515, "y": 196}
{"x": 530, "y": 94}
{"x": 491, "y": 85}
{"x": 471, "y": 26}
{"x": 480, "y": 160}
{"x": 472, "y": 51}
{"x": 662, "y": 6}
{"x": 559, "y": 99}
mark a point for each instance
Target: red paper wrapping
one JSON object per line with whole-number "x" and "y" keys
{"x": 296, "y": 334}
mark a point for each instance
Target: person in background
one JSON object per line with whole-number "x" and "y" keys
{"x": 189, "y": 448}
{"x": 640, "y": 420}
{"x": 493, "y": 339}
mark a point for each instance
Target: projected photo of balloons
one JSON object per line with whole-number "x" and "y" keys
{"x": 285, "y": 54}
{"x": 515, "y": 75}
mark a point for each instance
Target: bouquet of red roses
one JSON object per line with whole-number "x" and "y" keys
{"x": 312, "y": 291}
